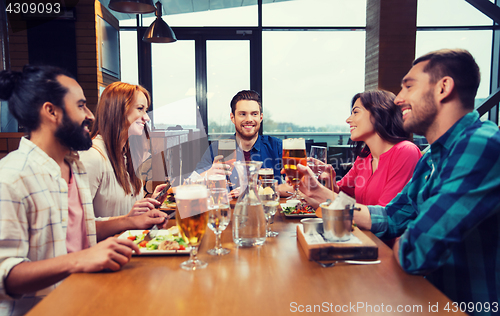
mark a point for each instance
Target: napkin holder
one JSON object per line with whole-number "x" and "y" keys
{"x": 364, "y": 249}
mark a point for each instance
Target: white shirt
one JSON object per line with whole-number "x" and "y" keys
{"x": 108, "y": 196}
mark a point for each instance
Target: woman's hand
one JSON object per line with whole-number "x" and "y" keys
{"x": 142, "y": 206}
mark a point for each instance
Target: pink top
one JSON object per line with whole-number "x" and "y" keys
{"x": 76, "y": 235}
{"x": 395, "y": 169}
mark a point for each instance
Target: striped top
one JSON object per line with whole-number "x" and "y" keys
{"x": 34, "y": 214}
{"x": 448, "y": 215}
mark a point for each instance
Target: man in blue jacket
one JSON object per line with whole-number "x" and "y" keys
{"x": 246, "y": 115}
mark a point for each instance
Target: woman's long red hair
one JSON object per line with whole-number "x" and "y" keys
{"x": 112, "y": 124}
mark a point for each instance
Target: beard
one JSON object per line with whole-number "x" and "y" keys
{"x": 245, "y": 135}
{"x": 72, "y": 135}
{"x": 423, "y": 118}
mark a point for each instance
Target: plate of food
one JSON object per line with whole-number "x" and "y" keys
{"x": 166, "y": 242}
{"x": 298, "y": 210}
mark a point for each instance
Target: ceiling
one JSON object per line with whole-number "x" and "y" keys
{"x": 186, "y": 6}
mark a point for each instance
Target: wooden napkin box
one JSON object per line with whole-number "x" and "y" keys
{"x": 366, "y": 249}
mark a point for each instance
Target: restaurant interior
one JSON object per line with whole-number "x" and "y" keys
{"x": 302, "y": 56}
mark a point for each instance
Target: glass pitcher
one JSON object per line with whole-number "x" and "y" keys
{"x": 249, "y": 221}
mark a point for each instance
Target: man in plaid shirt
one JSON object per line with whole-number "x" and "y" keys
{"x": 47, "y": 226}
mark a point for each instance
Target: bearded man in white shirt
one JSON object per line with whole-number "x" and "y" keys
{"x": 47, "y": 226}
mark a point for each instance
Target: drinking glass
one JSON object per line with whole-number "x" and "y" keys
{"x": 219, "y": 216}
{"x": 319, "y": 153}
{"x": 192, "y": 218}
{"x": 269, "y": 195}
{"x": 294, "y": 153}
{"x": 266, "y": 173}
{"x": 227, "y": 148}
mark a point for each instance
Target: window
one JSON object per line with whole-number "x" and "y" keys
{"x": 228, "y": 71}
{"x": 309, "y": 79}
{"x": 174, "y": 95}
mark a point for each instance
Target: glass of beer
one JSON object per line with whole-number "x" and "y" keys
{"x": 192, "y": 218}
{"x": 266, "y": 174}
{"x": 294, "y": 153}
{"x": 219, "y": 216}
{"x": 227, "y": 148}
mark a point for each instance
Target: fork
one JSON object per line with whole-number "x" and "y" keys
{"x": 154, "y": 230}
{"x": 331, "y": 264}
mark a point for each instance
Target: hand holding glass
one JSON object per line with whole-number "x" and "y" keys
{"x": 269, "y": 196}
{"x": 317, "y": 160}
{"x": 294, "y": 153}
{"x": 219, "y": 216}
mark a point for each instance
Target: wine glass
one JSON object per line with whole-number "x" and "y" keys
{"x": 269, "y": 196}
{"x": 192, "y": 218}
{"x": 318, "y": 166}
{"x": 294, "y": 153}
{"x": 219, "y": 216}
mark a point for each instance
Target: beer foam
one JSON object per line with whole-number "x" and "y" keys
{"x": 191, "y": 192}
{"x": 216, "y": 177}
{"x": 294, "y": 143}
{"x": 266, "y": 171}
{"x": 227, "y": 144}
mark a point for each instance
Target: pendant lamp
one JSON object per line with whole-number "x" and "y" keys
{"x": 132, "y": 6}
{"x": 159, "y": 31}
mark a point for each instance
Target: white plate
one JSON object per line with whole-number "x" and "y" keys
{"x": 283, "y": 205}
{"x": 146, "y": 252}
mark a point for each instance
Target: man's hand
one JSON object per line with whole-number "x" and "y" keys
{"x": 112, "y": 254}
{"x": 218, "y": 167}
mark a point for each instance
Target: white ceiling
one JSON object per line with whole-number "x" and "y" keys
{"x": 185, "y": 6}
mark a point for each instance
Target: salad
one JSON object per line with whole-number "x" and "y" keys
{"x": 301, "y": 208}
{"x": 160, "y": 242}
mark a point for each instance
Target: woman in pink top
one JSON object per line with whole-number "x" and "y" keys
{"x": 385, "y": 158}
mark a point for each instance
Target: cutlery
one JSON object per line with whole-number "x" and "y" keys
{"x": 331, "y": 264}
{"x": 154, "y": 230}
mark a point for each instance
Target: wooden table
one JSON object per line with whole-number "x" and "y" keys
{"x": 274, "y": 279}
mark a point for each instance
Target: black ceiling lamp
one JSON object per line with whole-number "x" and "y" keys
{"x": 159, "y": 31}
{"x": 132, "y": 6}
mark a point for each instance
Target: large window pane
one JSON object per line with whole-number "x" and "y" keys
{"x": 478, "y": 43}
{"x": 128, "y": 57}
{"x": 314, "y": 13}
{"x": 449, "y": 13}
{"x": 309, "y": 79}
{"x": 174, "y": 94}
{"x": 228, "y": 71}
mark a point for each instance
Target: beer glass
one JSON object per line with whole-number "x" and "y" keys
{"x": 270, "y": 197}
{"x": 266, "y": 174}
{"x": 319, "y": 153}
{"x": 219, "y": 216}
{"x": 192, "y": 218}
{"x": 227, "y": 148}
{"x": 294, "y": 153}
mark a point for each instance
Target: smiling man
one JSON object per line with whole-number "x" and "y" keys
{"x": 448, "y": 216}
{"x": 246, "y": 115}
{"x": 47, "y": 226}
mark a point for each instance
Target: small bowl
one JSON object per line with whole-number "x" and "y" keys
{"x": 312, "y": 225}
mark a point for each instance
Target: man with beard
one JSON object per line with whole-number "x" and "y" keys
{"x": 448, "y": 215}
{"x": 246, "y": 115}
{"x": 47, "y": 226}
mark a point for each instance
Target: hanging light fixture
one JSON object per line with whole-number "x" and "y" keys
{"x": 132, "y": 6}
{"x": 159, "y": 31}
